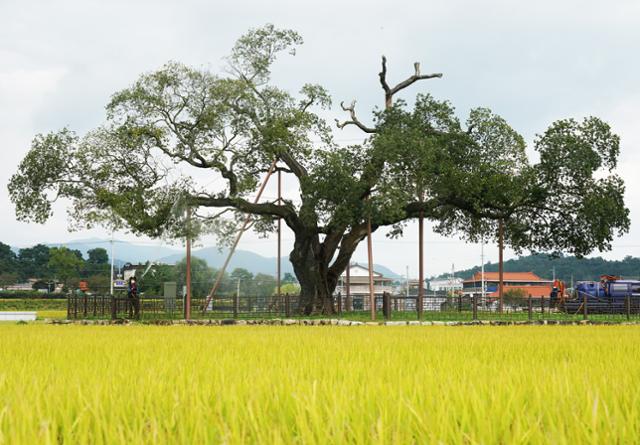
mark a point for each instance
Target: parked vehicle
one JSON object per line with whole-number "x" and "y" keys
{"x": 611, "y": 294}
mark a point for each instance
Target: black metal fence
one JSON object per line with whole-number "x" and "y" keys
{"x": 390, "y": 307}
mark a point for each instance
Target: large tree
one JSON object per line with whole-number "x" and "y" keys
{"x": 66, "y": 265}
{"x": 178, "y": 130}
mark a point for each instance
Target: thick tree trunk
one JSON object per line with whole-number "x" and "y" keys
{"x": 311, "y": 268}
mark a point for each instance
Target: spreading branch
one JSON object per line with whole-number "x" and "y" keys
{"x": 354, "y": 119}
{"x": 389, "y": 92}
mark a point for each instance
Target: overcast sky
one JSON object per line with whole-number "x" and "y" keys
{"x": 531, "y": 62}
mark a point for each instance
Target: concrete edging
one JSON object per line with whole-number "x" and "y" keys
{"x": 334, "y": 322}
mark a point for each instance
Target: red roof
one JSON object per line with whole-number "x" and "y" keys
{"x": 534, "y": 291}
{"x": 507, "y": 276}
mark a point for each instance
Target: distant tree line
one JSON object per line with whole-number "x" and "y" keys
{"x": 203, "y": 277}
{"x": 566, "y": 267}
{"x": 50, "y": 265}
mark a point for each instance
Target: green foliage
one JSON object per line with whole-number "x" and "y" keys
{"x": 32, "y": 304}
{"x": 514, "y": 296}
{"x": 566, "y": 267}
{"x": 8, "y": 259}
{"x": 65, "y": 264}
{"x": 98, "y": 256}
{"x": 22, "y": 294}
{"x": 202, "y": 276}
{"x": 289, "y": 278}
{"x": 34, "y": 262}
{"x": 138, "y": 170}
{"x": 290, "y": 288}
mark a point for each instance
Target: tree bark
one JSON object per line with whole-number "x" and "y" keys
{"x": 311, "y": 268}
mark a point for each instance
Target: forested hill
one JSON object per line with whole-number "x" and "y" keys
{"x": 565, "y": 267}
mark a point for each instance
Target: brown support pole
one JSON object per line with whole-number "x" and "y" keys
{"x": 421, "y": 264}
{"x": 372, "y": 295}
{"x": 278, "y": 273}
{"x": 348, "y": 284}
{"x": 187, "y": 305}
{"x": 500, "y": 264}
{"x": 235, "y": 244}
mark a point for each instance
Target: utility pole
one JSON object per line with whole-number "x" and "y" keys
{"x": 554, "y": 273}
{"x": 278, "y": 272}
{"x": 187, "y": 306}
{"x": 111, "y": 277}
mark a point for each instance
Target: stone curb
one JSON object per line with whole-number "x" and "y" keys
{"x": 333, "y": 322}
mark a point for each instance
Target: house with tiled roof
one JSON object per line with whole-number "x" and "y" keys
{"x": 359, "y": 286}
{"x": 529, "y": 282}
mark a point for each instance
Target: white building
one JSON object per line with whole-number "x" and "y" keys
{"x": 359, "y": 287}
{"x": 446, "y": 284}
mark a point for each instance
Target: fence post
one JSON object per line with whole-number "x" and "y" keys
{"x": 236, "y": 305}
{"x": 386, "y": 305}
{"x": 627, "y": 303}
{"x": 542, "y": 305}
{"x": 530, "y": 308}
{"x": 113, "y": 308}
{"x": 339, "y": 304}
{"x": 75, "y": 307}
{"x": 585, "y": 311}
{"x": 475, "y": 306}
{"x": 287, "y": 305}
{"x": 459, "y": 303}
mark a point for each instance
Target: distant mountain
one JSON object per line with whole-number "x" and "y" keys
{"x": 126, "y": 252}
{"x": 566, "y": 267}
{"x": 251, "y": 261}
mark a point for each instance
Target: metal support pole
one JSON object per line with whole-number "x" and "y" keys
{"x": 500, "y": 265}
{"x": 187, "y": 306}
{"x": 530, "y": 308}
{"x": 279, "y": 268}
{"x": 542, "y": 305}
{"x": 340, "y": 303}
{"x": 372, "y": 296}
{"x": 585, "y": 310}
{"x": 420, "y": 264}
{"x": 111, "y": 277}
{"x": 235, "y": 244}
{"x": 348, "y": 287}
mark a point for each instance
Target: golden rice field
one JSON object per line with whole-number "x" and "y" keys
{"x": 319, "y": 385}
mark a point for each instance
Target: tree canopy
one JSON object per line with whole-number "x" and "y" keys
{"x": 177, "y": 130}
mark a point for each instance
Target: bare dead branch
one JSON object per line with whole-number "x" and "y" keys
{"x": 390, "y": 92}
{"x": 383, "y": 76}
{"x": 354, "y": 119}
